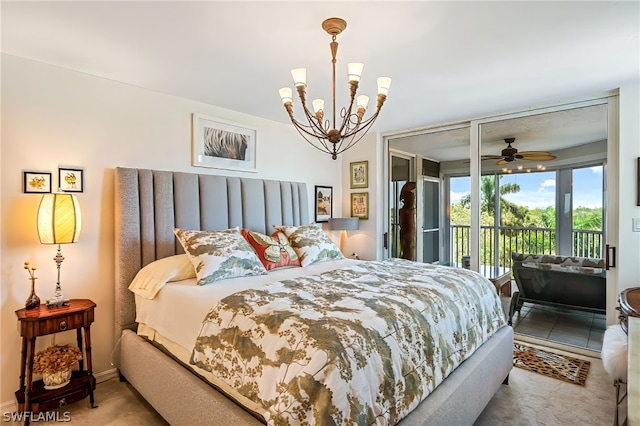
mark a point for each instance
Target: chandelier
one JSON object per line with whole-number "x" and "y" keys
{"x": 331, "y": 136}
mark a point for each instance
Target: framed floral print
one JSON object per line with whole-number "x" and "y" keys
{"x": 70, "y": 180}
{"x": 324, "y": 203}
{"x": 360, "y": 205}
{"x": 359, "y": 172}
{"x": 36, "y": 182}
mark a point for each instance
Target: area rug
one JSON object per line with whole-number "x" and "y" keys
{"x": 562, "y": 367}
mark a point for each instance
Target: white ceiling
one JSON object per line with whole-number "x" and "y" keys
{"x": 448, "y": 60}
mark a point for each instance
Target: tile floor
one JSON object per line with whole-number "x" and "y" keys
{"x": 561, "y": 325}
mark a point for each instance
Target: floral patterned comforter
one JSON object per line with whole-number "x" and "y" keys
{"x": 360, "y": 345}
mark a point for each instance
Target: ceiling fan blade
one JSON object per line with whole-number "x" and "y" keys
{"x": 501, "y": 162}
{"x": 535, "y": 153}
{"x": 491, "y": 157}
{"x": 538, "y": 156}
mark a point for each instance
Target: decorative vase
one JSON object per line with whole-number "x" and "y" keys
{"x": 33, "y": 301}
{"x": 56, "y": 379}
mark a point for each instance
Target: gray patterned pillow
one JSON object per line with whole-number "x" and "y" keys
{"x": 217, "y": 255}
{"x": 311, "y": 243}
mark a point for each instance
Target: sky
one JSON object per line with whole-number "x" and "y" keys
{"x": 537, "y": 189}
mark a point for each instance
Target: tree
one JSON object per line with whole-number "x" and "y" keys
{"x": 487, "y": 201}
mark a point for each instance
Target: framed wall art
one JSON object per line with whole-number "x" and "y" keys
{"x": 359, "y": 172}
{"x": 360, "y": 205}
{"x": 323, "y": 203}
{"x": 70, "y": 180}
{"x": 36, "y": 182}
{"x": 222, "y": 144}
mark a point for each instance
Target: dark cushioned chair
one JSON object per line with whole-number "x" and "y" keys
{"x": 572, "y": 282}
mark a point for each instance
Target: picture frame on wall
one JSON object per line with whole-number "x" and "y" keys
{"x": 70, "y": 180}
{"x": 360, "y": 205}
{"x": 359, "y": 172}
{"x": 36, "y": 182}
{"x": 323, "y": 203}
{"x": 222, "y": 144}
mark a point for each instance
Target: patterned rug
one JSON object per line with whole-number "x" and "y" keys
{"x": 562, "y": 367}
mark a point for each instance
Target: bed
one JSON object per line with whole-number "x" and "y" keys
{"x": 149, "y": 204}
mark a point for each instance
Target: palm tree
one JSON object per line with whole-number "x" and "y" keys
{"x": 487, "y": 199}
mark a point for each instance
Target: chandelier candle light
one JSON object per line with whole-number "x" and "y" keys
{"x": 325, "y": 135}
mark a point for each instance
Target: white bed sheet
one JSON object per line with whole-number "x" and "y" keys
{"x": 178, "y": 310}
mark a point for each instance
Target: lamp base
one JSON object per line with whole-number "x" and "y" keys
{"x": 57, "y": 302}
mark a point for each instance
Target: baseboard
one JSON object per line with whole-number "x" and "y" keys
{"x": 10, "y": 406}
{"x": 106, "y": 375}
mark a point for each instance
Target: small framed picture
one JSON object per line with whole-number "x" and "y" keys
{"x": 36, "y": 182}
{"x": 324, "y": 203}
{"x": 222, "y": 144}
{"x": 359, "y": 172}
{"x": 70, "y": 180}
{"x": 360, "y": 205}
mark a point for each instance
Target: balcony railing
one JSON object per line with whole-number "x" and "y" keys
{"x": 521, "y": 240}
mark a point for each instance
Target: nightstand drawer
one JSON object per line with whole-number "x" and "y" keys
{"x": 55, "y": 324}
{"x": 67, "y": 322}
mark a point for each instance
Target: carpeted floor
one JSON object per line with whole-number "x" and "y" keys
{"x": 529, "y": 399}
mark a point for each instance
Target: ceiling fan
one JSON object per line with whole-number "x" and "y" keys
{"x": 510, "y": 154}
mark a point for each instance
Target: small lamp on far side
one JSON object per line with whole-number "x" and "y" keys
{"x": 59, "y": 222}
{"x": 344, "y": 224}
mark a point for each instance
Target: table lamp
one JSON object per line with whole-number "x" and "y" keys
{"x": 59, "y": 222}
{"x": 344, "y": 224}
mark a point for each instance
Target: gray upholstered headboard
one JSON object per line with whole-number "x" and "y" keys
{"x": 150, "y": 203}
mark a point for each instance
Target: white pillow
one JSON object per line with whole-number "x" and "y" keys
{"x": 150, "y": 279}
{"x": 218, "y": 255}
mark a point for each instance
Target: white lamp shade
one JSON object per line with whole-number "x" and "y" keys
{"x": 362, "y": 101}
{"x": 344, "y": 224}
{"x": 355, "y": 71}
{"x": 299, "y": 76}
{"x": 59, "y": 219}
{"x": 318, "y": 105}
{"x": 286, "y": 94}
{"x": 383, "y": 85}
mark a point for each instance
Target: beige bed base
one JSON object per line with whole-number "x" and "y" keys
{"x": 150, "y": 203}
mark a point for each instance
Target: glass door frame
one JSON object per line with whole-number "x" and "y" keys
{"x": 611, "y": 210}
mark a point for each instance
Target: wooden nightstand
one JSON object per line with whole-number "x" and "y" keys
{"x": 32, "y": 396}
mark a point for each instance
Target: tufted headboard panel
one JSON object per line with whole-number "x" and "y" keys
{"x": 150, "y": 203}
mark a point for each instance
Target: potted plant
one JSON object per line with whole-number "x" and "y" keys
{"x": 55, "y": 363}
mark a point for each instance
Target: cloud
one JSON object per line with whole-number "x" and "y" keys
{"x": 596, "y": 169}
{"x": 547, "y": 183}
{"x": 457, "y": 196}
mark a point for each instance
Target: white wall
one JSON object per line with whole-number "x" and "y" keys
{"x": 365, "y": 241}
{"x": 628, "y": 247}
{"x": 55, "y": 117}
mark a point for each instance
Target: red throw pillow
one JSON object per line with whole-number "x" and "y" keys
{"x": 273, "y": 251}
